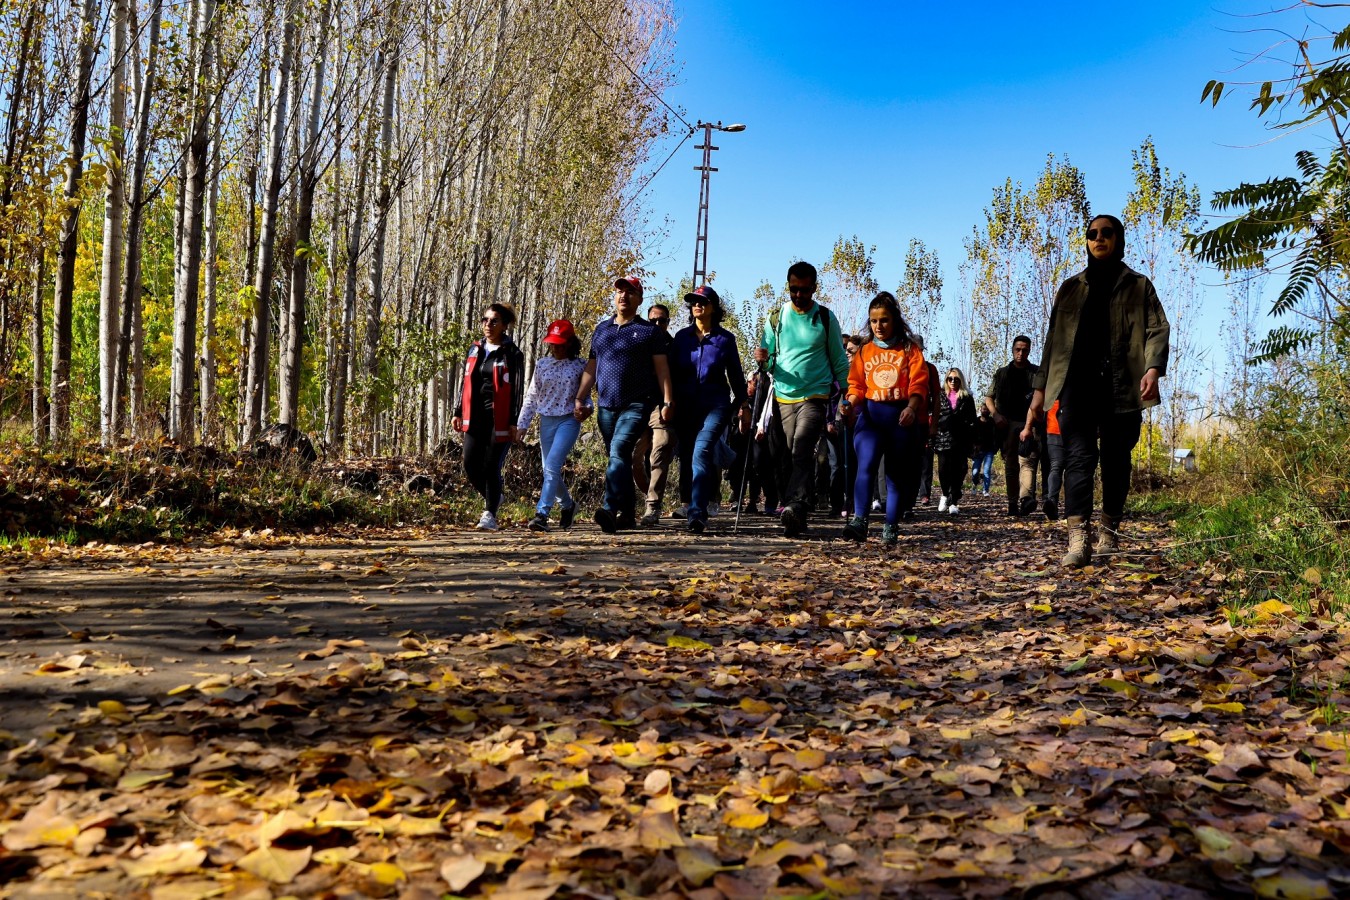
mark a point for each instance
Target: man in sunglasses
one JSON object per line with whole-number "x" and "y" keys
{"x": 628, "y": 369}
{"x": 655, "y": 447}
{"x": 1008, "y": 400}
{"x": 1105, "y": 349}
{"x": 806, "y": 357}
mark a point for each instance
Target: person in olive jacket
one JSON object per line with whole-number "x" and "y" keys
{"x": 1105, "y": 349}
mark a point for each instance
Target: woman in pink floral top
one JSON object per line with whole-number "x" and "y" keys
{"x": 552, "y": 394}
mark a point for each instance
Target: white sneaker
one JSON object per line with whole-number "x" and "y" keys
{"x": 876, "y": 506}
{"x": 487, "y": 521}
{"x": 942, "y": 503}
{"x": 714, "y": 509}
{"x": 681, "y": 511}
{"x": 953, "y": 509}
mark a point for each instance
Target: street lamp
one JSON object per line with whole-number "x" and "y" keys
{"x": 701, "y": 240}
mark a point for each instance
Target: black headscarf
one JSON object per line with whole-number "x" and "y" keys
{"x": 1089, "y": 365}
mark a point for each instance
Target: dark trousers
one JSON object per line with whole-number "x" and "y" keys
{"x": 483, "y": 461}
{"x": 911, "y": 463}
{"x": 951, "y": 473}
{"x": 803, "y": 424}
{"x": 926, "y": 472}
{"x": 877, "y": 436}
{"x": 1088, "y": 439}
{"x": 1054, "y": 478}
{"x": 763, "y": 475}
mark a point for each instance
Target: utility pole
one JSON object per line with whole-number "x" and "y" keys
{"x": 701, "y": 240}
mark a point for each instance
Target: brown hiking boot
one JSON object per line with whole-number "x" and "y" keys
{"x": 1080, "y": 543}
{"x": 1108, "y": 535}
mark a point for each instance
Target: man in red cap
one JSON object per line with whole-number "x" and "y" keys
{"x": 628, "y": 369}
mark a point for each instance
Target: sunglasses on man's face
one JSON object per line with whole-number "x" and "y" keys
{"x": 802, "y": 290}
{"x": 1106, "y": 232}
{"x": 659, "y": 320}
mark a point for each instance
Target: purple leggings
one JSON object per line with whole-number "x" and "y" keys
{"x": 879, "y": 435}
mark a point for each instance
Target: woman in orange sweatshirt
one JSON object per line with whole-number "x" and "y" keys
{"x": 887, "y": 382}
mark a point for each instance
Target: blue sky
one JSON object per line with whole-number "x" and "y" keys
{"x": 896, "y": 120}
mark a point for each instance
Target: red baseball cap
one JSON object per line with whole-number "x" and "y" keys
{"x": 560, "y": 331}
{"x": 630, "y": 281}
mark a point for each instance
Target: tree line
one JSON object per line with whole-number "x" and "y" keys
{"x": 305, "y": 203}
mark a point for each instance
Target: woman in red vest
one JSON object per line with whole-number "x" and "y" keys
{"x": 489, "y": 404}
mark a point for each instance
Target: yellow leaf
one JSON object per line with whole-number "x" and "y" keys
{"x": 1226, "y": 707}
{"x": 416, "y": 826}
{"x": 460, "y": 871}
{"x": 1079, "y": 717}
{"x": 181, "y": 689}
{"x": 747, "y": 820}
{"x": 1179, "y": 735}
{"x": 739, "y": 577}
{"x": 1328, "y": 741}
{"x": 276, "y": 864}
{"x": 135, "y": 781}
{"x": 956, "y": 734}
{"x": 775, "y": 854}
{"x": 1292, "y": 886}
{"x": 1271, "y": 608}
{"x": 696, "y": 864}
{"x": 1042, "y": 608}
{"x": 680, "y": 642}
{"x": 166, "y": 859}
{"x": 1312, "y": 575}
{"x": 809, "y": 758}
{"x": 1120, "y": 687}
{"x": 659, "y": 831}
{"x": 42, "y": 826}
{"x": 554, "y": 568}
{"x": 114, "y": 710}
{"x": 755, "y": 707}
{"x": 1215, "y": 844}
{"x": 387, "y": 873}
{"x": 1012, "y": 823}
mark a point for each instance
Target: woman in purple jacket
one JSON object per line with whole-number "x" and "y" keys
{"x": 705, "y": 367}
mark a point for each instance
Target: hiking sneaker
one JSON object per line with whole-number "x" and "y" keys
{"x": 539, "y": 522}
{"x": 605, "y": 519}
{"x": 681, "y": 511}
{"x": 942, "y": 503}
{"x": 856, "y": 529}
{"x": 1027, "y": 506}
{"x": 953, "y": 509}
{"x": 1051, "y": 510}
{"x": 566, "y": 517}
{"x": 890, "y": 534}
{"x": 487, "y": 521}
{"x": 793, "y": 521}
{"x": 876, "y": 506}
{"x": 696, "y": 526}
{"x": 713, "y": 509}
{"x": 651, "y": 517}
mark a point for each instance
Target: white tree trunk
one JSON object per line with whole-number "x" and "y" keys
{"x": 262, "y": 300}
{"x": 182, "y": 419}
{"x": 110, "y": 295}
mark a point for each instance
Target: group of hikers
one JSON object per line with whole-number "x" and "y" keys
{"x": 881, "y": 410}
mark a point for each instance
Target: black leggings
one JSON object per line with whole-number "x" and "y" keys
{"x": 483, "y": 460}
{"x": 951, "y": 473}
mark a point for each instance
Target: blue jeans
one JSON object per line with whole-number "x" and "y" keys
{"x": 557, "y": 436}
{"x": 878, "y": 434}
{"x": 620, "y": 427}
{"x": 983, "y": 466}
{"x": 699, "y": 431}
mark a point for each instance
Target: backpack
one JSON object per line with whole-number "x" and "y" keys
{"x": 776, "y": 324}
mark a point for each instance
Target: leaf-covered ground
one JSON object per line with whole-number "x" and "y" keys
{"x": 420, "y": 713}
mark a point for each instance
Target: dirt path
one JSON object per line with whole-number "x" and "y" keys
{"x": 657, "y": 714}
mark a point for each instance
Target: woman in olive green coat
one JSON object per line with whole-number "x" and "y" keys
{"x": 1105, "y": 349}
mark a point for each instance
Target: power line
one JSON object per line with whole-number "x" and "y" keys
{"x": 620, "y": 57}
{"x": 649, "y": 178}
